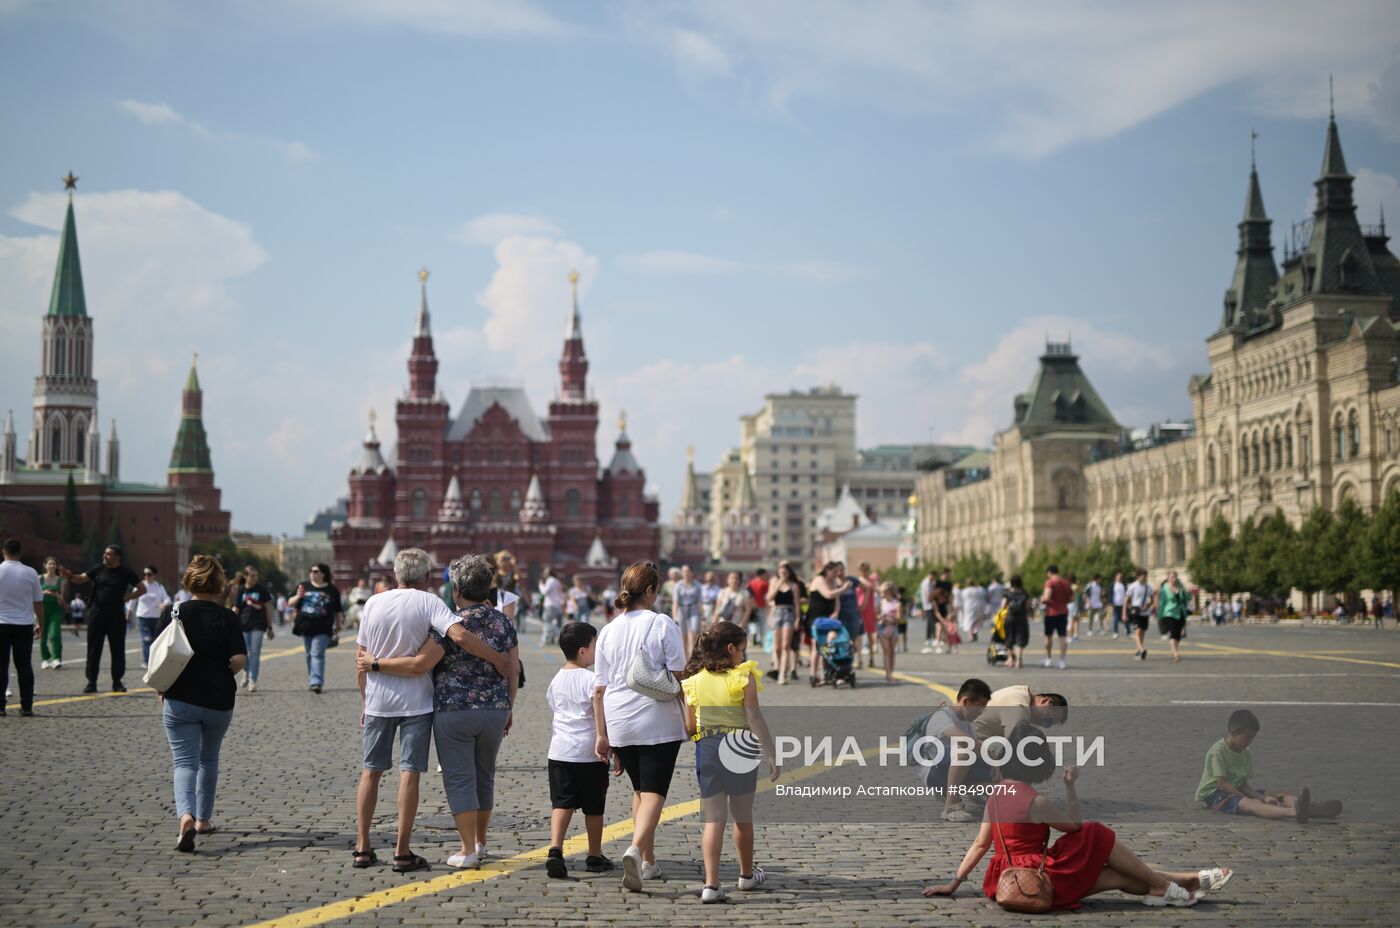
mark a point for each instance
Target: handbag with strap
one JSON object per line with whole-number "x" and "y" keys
{"x": 170, "y": 654}
{"x": 1023, "y": 889}
{"x": 658, "y": 683}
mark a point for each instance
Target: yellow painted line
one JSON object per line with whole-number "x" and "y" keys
{"x": 936, "y": 687}
{"x": 505, "y": 866}
{"x": 1302, "y": 655}
{"x": 135, "y": 690}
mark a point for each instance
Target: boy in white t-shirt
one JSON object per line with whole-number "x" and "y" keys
{"x": 577, "y": 778}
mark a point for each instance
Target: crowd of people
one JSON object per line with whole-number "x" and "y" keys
{"x": 669, "y": 665}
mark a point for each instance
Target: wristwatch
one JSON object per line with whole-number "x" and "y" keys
{"x": 375, "y": 666}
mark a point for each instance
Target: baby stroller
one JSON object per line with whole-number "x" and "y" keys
{"x": 997, "y": 651}
{"x": 837, "y": 653}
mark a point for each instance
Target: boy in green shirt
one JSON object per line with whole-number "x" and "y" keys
{"x": 1225, "y": 780}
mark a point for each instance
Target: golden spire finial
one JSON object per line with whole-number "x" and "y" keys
{"x": 913, "y": 500}
{"x": 573, "y": 278}
{"x": 194, "y": 359}
{"x": 690, "y": 454}
{"x": 423, "y": 275}
{"x": 622, "y": 421}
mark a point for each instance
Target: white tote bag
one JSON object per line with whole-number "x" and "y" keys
{"x": 170, "y": 653}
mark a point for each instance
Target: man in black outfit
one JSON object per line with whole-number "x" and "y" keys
{"x": 114, "y": 585}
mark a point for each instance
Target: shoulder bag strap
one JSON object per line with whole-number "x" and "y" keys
{"x": 1001, "y": 839}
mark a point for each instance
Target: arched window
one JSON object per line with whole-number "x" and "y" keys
{"x": 80, "y": 441}
{"x": 515, "y": 500}
{"x": 56, "y": 441}
{"x": 1341, "y": 439}
{"x": 1288, "y": 445}
{"x": 60, "y": 366}
{"x": 1354, "y": 433}
{"x": 368, "y": 506}
{"x": 624, "y": 507}
{"x": 494, "y": 503}
{"x": 1210, "y": 467}
{"x": 573, "y": 504}
{"x": 1278, "y": 448}
{"x": 1244, "y": 465}
{"x": 476, "y": 500}
{"x": 1268, "y": 458}
{"x": 420, "y": 503}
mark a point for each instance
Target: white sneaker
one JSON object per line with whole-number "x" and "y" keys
{"x": 252, "y": 686}
{"x": 1046, "y": 663}
{"x": 753, "y": 882}
{"x": 57, "y": 664}
{"x": 926, "y": 649}
{"x": 1089, "y": 633}
{"x": 651, "y": 871}
{"x": 1060, "y": 665}
{"x": 464, "y": 861}
{"x": 632, "y": 869}
{"x": 481, "y": 852}
{"x": 1164, "y": 638}
{"x": 43, "y": 665}
{"x": 1115, "y": 636}
{"x": 713, "y": 894}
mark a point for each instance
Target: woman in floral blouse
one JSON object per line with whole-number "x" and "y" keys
{"x": 472, "y": 708}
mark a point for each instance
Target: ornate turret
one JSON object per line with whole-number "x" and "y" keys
{"x": 371, "y": 483}
{"x": 113, "y": 454}
{"x": 1338, "y": 259}
{"x": 622, "y": 461}
{"x": 1251, "y": 289}
{"x": 573, "y": 365}
{"x": 422, "y": 361}
{"x": 93, "y": 454}
{"x": 65, "y": 394}
{"x": 191, "y": 467}
{"x": 534, "y": 510}
{"x": 452, "y": 509}
{"x": 8, "y": 454}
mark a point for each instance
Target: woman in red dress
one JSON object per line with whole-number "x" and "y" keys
{"x": 1086, "y": 859}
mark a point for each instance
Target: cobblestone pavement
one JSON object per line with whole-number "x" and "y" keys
{"x": 89, "y": 827}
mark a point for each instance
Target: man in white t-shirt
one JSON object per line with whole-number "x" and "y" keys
{"x": 1120, "y": 594}
{"x": 926, "y": 606}
{"x": 1137, "y": 604}
{"x": 1093, "y": 605}
{"x": 395, "y": 624}
{"x": 552, "y": 592}
{"x": 21, "y": 617}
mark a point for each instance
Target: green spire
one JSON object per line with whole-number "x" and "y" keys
{"x": 192, "y": 382}
{"x": 67, "y": 298}
{"x": 1333, "y": 164}
{"x": 191, "y": 452}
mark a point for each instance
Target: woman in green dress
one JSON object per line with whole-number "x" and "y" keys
{"x": 51, "y": 638}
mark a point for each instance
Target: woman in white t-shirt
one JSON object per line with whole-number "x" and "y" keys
{"x": 645, "y": 734}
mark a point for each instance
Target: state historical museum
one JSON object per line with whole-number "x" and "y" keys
{"x": 496, "y": 476}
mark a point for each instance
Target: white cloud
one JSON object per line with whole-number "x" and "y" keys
{"x": 1051, "y": 75}
{"x": 449, "y": 17}
{"x": 490, "y": 229}
{"x": 698, "y": 56}
{"x": 527, "y": 298}
{"x": 162, "y": 114}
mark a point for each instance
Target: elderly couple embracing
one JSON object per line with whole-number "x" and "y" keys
{"x": 433, "y": 674}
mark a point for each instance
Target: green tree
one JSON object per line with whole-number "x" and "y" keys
{"x": 1342, "y": 554}
{"x": 1101, "y": 559}
{"x": 70, "y": 526}
{"x": 981, "y": 567}
{"x": 114, "y": 534}
{"x": 1266, "y": 553}
{"x": 234, "y": 559}
{"x": 1382, "y": 552}
{"x": 1306, "y": 568}
{"x": 1215, "y": 564}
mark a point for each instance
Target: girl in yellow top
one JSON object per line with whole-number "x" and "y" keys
{"x": 722, "y": 716}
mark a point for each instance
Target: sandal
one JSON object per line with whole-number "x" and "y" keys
{"x": 407, "y": 863}
{"x": 186, "y": 843}
{"x": 363, "y": 859}
{"x": 1214, "y": 878}
{"x": 208, "y": 831}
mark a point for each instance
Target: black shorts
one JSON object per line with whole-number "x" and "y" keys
{"x": 1139, "y": 619}
{"x": 1176, "y": 628}
{"x": 1057, "y": 625}
{"x": 649, "y": 766}
{"x": 578, "y": 785}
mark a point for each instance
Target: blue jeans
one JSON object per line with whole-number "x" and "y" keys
{"x": 195, "y": 734}
{"x": 315, "y": 646}
{"x": 1119, "y": 620}
{"x": 148, "y": 635}
{"x": 253, "y": 642}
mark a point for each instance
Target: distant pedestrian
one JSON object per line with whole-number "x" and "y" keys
{"x": 198, "y": 707}
{"x": 582, "y": 599}
{"x": 51, "y": 634}
{"x": 552, "y": 592}
{"x": 690, "y": 613}
{"x": 113, "y": 586}
{"x": 1075, "y": 607}
{"x": 1120, "y": 593}
{"x": 253, "y": 603}
{"x": 972, "y": 605}
{"x": 149, "y": 606}
{"x": 758, "y": 615}
{"x": 891, "y": 609}
{"x": 1018, "y": 623}
{"x": 77, "y": 613}
{"x": 786, "y": 596}
{"x": 1093, "y": 606}
{"x": 1056, "y": 598}
{"x": 1138, "y": 605}
{"x": 319, "y": 616}
{"x": 867, "y": 598}
{"x": 21, "y": 617}
{"x": 1173, "y": 603}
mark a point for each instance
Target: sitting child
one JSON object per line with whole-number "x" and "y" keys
{"x": 1225, "y": 780}
{"x": 945, "y": 724}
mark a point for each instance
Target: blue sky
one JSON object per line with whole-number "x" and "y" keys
{"x": 902, "y": 198}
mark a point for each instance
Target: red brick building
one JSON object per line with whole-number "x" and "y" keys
{"x": 156, "y": 523}
{"x": 497, "y": 476}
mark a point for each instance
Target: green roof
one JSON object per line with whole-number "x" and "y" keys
{"x": 191, "y": 452}
{"x": 67, "y": 298}
{"x": 1061, "y": 397}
